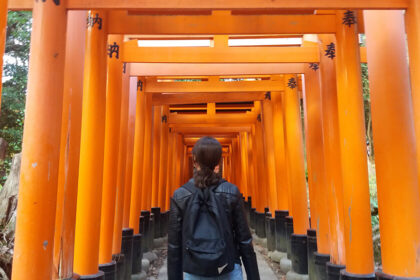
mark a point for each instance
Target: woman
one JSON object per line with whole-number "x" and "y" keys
{"x": 208, "y": 232}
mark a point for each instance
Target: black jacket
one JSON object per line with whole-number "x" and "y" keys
{"x": 240, "y": 229}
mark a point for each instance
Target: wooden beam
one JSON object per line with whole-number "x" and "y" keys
{"x": 201, "y": 131}
{"x": 191, "y": 5}
{"x": 209, "y": 69}
{"x": 133, "y": 53}
{"x": 213, "y": 86}
{"x": 216, "y": 120}
{"x": 219, "y": 23}
{"x": 194, "y": 98}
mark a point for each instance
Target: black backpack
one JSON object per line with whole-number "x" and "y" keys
{"x": 207, "y": 234}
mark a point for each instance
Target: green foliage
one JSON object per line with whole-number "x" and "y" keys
{"x": 15, "y": 72}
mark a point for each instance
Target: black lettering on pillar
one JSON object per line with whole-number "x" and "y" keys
{"x": 56, "y": 2}
{"x": 91, "y": 21}
{"x": 114, "y": 48}
{"x": 292, "y": 83}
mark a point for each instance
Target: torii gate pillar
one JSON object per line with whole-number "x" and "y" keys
{"x": 34, "y": 239}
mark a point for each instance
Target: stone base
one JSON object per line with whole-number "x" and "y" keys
{"x": 344, "y": 275}
{"x": 159, "y": 242}
{"x": 139, "y": 276}
{"x": 291, "y": 275}
{"x": 260, "y": 241}
{"x": 145, "y": 264}
{"x": 276, "y": 256}
{"x": 150, "y": 256}
{"x": 285, "y": 265}
{"x": 98, "y": 276}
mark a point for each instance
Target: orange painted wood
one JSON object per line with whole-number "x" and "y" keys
{"x": 412, "y": 20}
{"x": 112, "y": 128}
{"x": 269, "y": 153}
{"x": 131, "y": 86}
{"x": 279, "y": 151}
{"x": 133, "y": 54}
{"x": 163, "y": 162}
{"x": 122, "y": 153}
{"x": 332, "y": 152}
{"x": 232, "y": 119}
{"x": 71, "y": 121}
{"x": 201, "y": 69}
{"x": 264, "y": 5}
{"x": 395, "y": 146}
{"x": 318, "y": 189}
{"x": 295, "y": 158}
{"x": 153, "y": 85}
{"x": 138, "y": 159}
{"x": 148, "y": 156}
{"x": 34, "y": 239}
{"x": 157, "y": 126}
{"x": 262, "y": 187}
{"x": 88, "y": 213}
{"x": 170, "y": 175}
{"x": 356, "y": 196}
{"x": 220, "y": 23}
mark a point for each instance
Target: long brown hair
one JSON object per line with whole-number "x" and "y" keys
{"x": 207, "y": 153}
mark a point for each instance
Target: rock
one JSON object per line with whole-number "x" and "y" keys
{"x": 158, "y": 242}
{"x": 276, "y": 256}
{"x": 145, "y": 264}
{"x": 151, "y": 256}
{"x": 285, "y": 265}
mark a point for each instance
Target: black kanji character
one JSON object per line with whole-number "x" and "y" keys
{"x": 292, "y": 83}
{"x": 314, "y": 66}
{"x": 140, "y": 85}
{"x": 268, "y": 95}
{"x": 330, "y": 51}
{"x": 91, "y": 21}
{"x": 349, "y": 18}
{"x": 114, "y": 48}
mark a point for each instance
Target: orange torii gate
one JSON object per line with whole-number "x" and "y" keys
{"x": 125, "y": 125}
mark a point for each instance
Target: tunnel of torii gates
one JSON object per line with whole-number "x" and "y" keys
{"x": 110, "y": 125}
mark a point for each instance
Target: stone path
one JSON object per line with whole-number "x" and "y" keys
{"x": 265, "y": 271}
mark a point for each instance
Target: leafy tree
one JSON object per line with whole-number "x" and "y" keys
{"x": 15, "y": 72}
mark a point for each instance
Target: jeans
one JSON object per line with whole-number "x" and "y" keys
{"x": 235, "y": 274}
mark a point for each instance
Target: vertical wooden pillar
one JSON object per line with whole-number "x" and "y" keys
{"x": 332, "y": 151}
{"x": 163, "y": 162}
{"x": 112, "y": 128}
{"x": 395, "y": 146}
{"x": 138, "y": 159}
{"x": 122, "y": 148}
{"x": 148, "y": 155}
{"x": 295, "y": 156}
{"x": 3, "y": 26}
{"x": 245, "y": 165}
{"x": 257, "y": 177}
{"x": 269, "y": 152}
{"x": 279, "y": 152}
{"x": 130, "y": 149}
{"x": 251, "y": 169}
{"x": 71, "y": 121}
{"x": 170, "y": 175}
{"x": 88, "y": 213}
{"x": 262, "y": 165}
{"x": 412, "y": 20}
{"x": 34, "y": 239}
{"x": 157, "y": 125}
{"x": 315, "y": 152}
{"x": 356, "y": 200}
